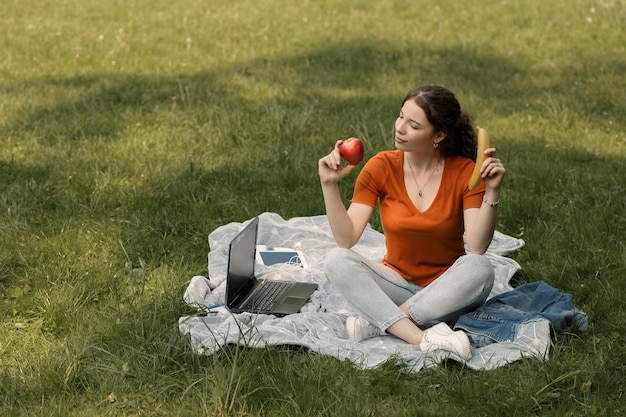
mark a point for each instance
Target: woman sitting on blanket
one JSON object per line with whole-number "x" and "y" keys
{"x": 426, "y": 279}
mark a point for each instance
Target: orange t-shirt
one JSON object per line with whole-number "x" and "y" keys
{"x": 420, "y": 245}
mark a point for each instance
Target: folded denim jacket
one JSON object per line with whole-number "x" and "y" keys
{"x": 498, "y": 319}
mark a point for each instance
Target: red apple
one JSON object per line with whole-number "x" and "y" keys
{"x": 352, "y": 151}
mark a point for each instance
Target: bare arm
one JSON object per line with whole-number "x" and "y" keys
{"x": 347, "y": 225}
{"x": 480, "y": 223}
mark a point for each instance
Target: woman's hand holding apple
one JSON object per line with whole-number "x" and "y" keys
{"x": 330, "y": 168}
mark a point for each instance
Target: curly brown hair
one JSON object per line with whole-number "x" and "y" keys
{"x": 443, "y": 111}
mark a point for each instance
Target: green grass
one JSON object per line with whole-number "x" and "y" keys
{"x": 132, "y": 129}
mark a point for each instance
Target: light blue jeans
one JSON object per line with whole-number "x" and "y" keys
{"x": 376, "y": 290}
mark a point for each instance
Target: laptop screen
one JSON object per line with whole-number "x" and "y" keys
{"x": 241, "y": 258}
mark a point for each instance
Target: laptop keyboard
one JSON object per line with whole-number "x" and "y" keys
{"x": 268, "y": 295}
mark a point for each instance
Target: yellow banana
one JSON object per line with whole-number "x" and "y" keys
{"x": 483, "y": 143}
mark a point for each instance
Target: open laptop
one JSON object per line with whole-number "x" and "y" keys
{"x": 246, "y": 293}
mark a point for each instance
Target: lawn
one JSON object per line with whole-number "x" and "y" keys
{"x": 132, "y": 129}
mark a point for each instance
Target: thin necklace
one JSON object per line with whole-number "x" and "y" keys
{"x": 419, "y": 189}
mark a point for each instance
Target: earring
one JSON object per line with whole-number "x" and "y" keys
{"x": 435, "y": 144}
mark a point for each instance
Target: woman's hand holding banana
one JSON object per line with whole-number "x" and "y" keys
{"x": 488, "y": 168}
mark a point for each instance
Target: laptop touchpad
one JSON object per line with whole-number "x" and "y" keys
{"x": 292, "y": 300}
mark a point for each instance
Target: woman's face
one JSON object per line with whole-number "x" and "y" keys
{"x": 413, "y": 131}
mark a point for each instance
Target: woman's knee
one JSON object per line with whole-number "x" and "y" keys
{"x": 481, "y": 268}
{"x": 336, "y": 256}
{"x": 336, "y": 263}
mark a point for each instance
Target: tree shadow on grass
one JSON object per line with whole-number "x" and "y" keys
{"x": 284, "y": 103}
{"x": 347, "y": 75}
{"x": 293, "y": 103}
{"x": 106, "y": 105}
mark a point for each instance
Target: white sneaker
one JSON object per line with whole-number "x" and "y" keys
{"x": 441, "y": 336}
{"x": 358, "y": 328}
